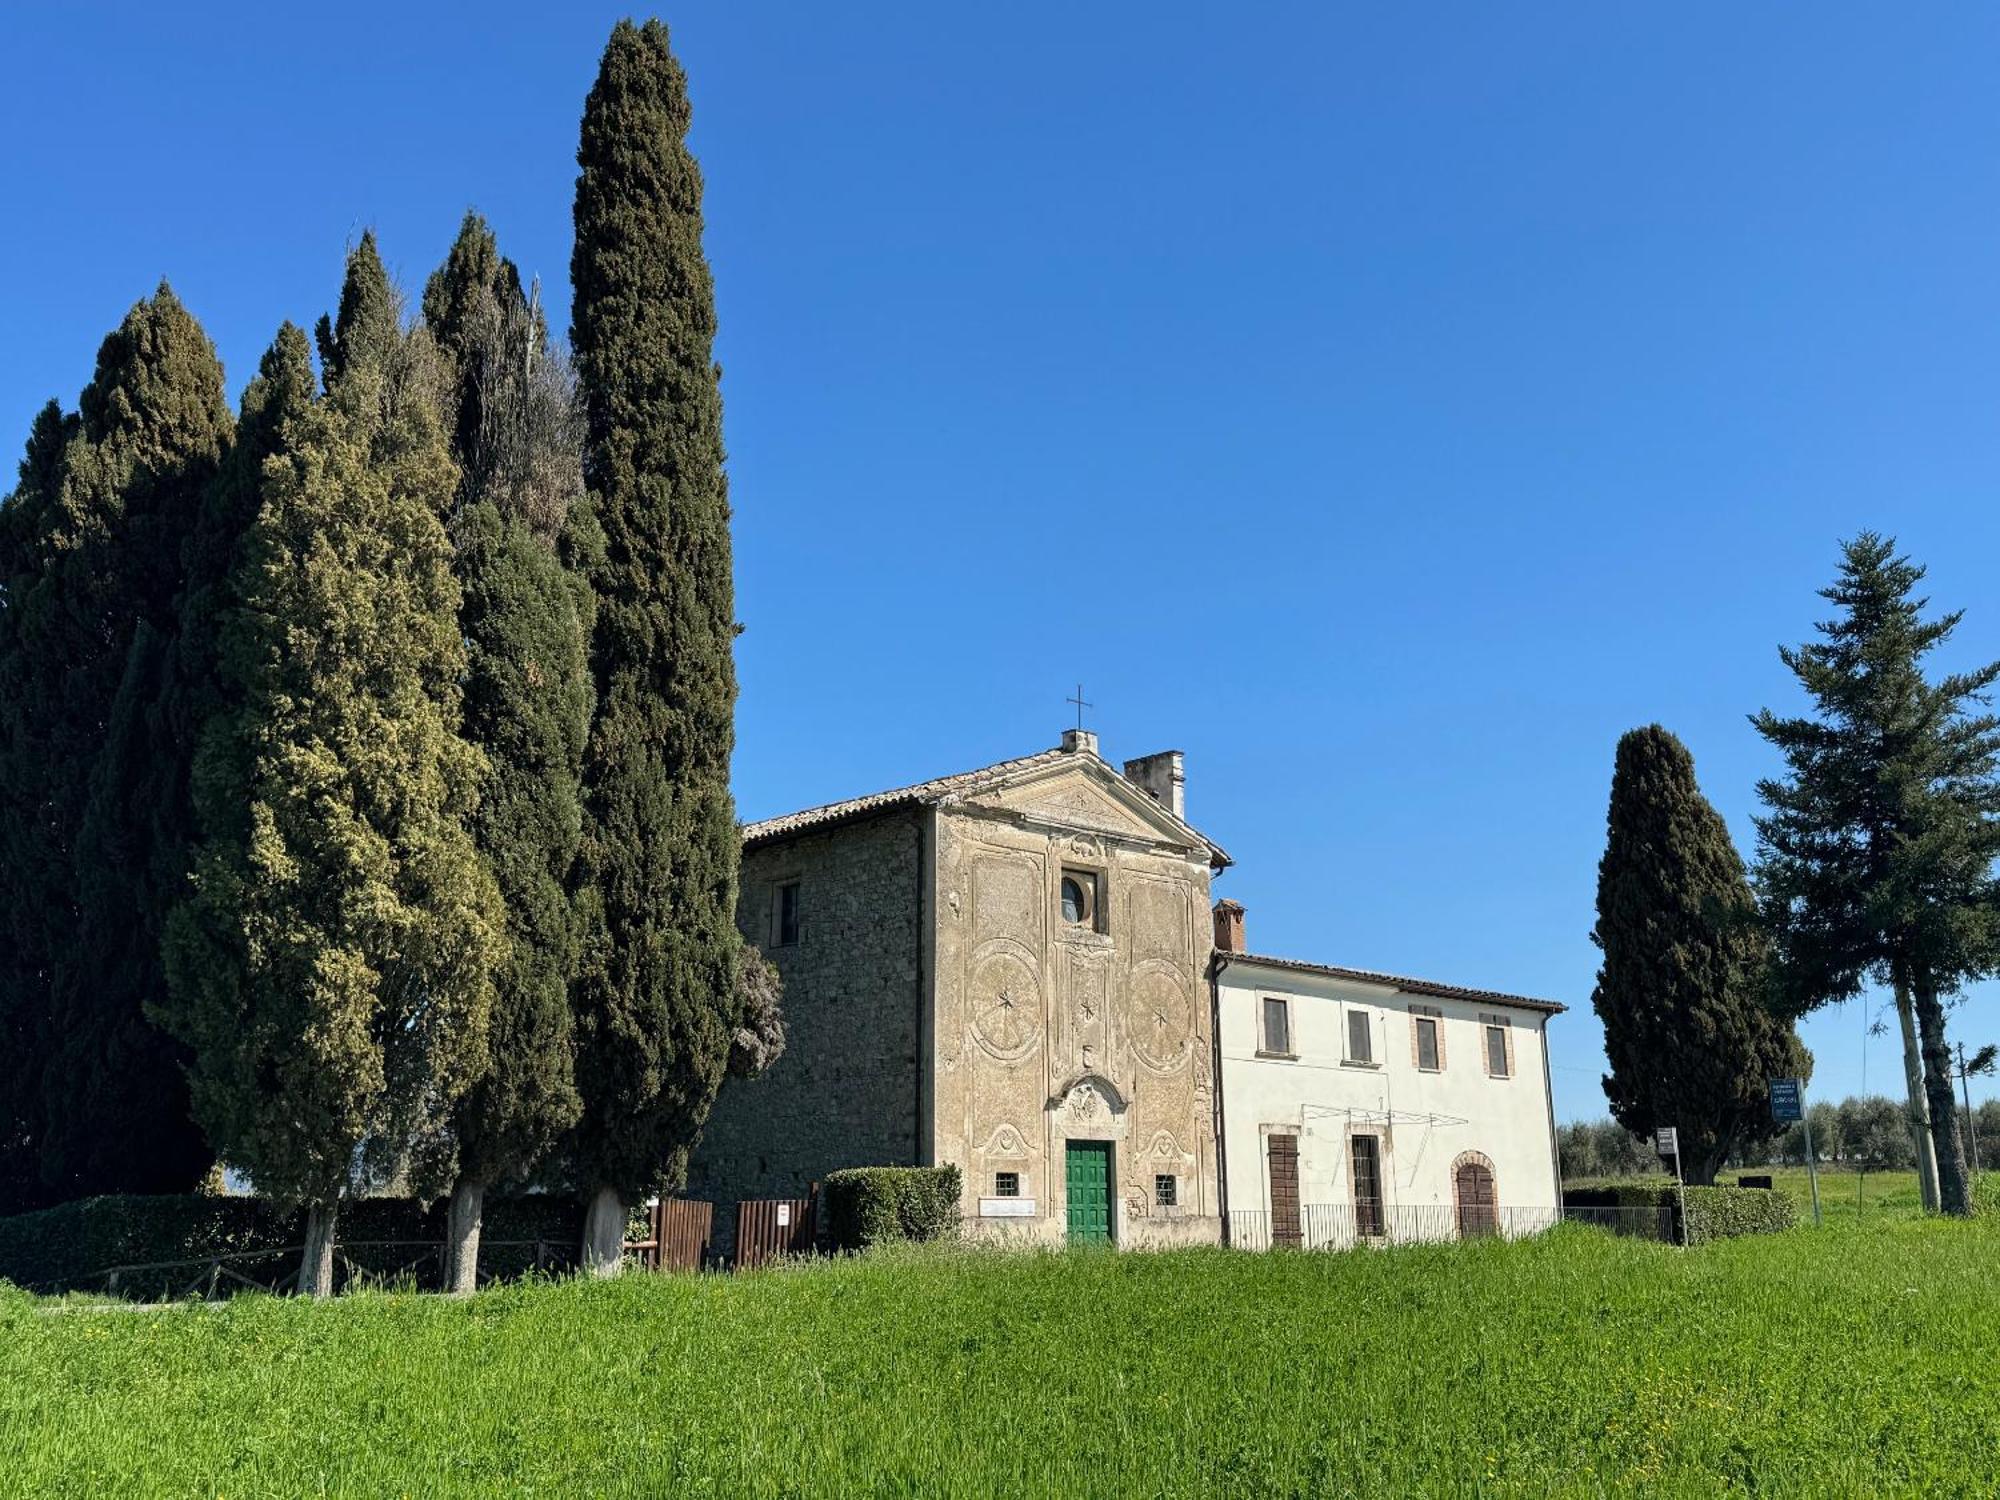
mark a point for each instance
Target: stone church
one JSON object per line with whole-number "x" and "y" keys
{"x": 1005, "y": 970}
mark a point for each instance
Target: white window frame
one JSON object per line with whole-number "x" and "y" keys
{"x": 1347, "y": 1057}
{"x": 1289, "y": 1051}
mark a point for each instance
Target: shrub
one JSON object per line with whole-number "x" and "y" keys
{"x": 1712, "y": 1213}
{"x": 878, "y": 1205}
{"x": 70, "y": 1247}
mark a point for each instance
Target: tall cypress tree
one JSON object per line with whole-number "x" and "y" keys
{"x": 112, "y": 1112}
{"x": 331, "y": 969}
{"x": 1876, "y": 854}
{"x": 1680, "y": 991}
{"x": 25, "y": 559}
{"x": 657, "y": 1002}
{"x": 519, "y": 528}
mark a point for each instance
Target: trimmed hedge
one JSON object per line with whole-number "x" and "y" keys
{"x": 1713, "y": 1213}
{"x": 73, "y": 1246}
{"x": 878, "y": 1205}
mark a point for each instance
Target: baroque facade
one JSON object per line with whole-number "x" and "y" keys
{"x": 1005, "y": 970}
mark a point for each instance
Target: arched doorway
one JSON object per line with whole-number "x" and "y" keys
{"x": 1473, "y": 1195}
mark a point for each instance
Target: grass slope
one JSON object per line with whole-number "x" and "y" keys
{"x": 1844, "y": 1361}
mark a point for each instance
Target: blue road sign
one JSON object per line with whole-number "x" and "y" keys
{"x": 1787, "y": 1100}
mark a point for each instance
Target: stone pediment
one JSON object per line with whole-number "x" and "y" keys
{"x": 1089, "y": 801}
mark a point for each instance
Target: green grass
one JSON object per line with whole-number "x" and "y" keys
{"x": 1851, "y": 1360}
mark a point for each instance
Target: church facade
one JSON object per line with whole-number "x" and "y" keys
{"x": 1006, "y": 970}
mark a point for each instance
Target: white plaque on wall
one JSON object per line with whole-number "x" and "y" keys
{"x": 1006, "y": 1208}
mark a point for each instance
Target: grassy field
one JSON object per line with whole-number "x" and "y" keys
{"x": 1851, "y": 1360}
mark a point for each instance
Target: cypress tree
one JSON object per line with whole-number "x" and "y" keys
{"x": 1876, "y": 852}
{"x": 331, "y": 967}
{"x": 1680, "y": 991}
{"x": 24, "y": 1011}
{"x": 112, "y": 1113}
{"x": 526, "y": 622}
{"x": 656, "y": 1003}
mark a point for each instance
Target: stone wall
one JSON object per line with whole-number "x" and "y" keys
{"x": 845, "y": 1093}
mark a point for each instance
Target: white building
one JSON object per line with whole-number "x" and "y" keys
{"x": 1363, "y": 1107}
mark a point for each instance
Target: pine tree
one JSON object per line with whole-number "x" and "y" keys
{"x": 331, "y": 969}
{"x": 111, "y": 1112}
{"x": 1680, "y": 994}
{"x": 657, "y": 1002}
{"x": 1876, "y": 854}
{"x": 526, "y": 621}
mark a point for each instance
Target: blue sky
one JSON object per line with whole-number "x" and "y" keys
{"x": 1388, "y": 406}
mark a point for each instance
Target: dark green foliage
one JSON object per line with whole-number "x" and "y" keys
{"x": 25, "y": 557}
{"x": 72, "y": 1246}
{"x": 96, "y": 558}
{"x": 1654, "y": 1209}
{"x": 880, "y": 1205}
{"x": 1875, "y": 857}
{"x": 760, "y": 1034}
{"x": 1690, "y": 1040}
{"x": 1602, "y": 1148}
{"x": 656, "y": 1003}
{"x": 331, "y": 969}
{"x": 528, "y": 694}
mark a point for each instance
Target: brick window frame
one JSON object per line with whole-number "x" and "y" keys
{"x": 1506, "y": 1028}
{"x": 1418, "y": 1015}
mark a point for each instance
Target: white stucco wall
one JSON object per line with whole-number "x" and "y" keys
{"x": 1425, "y": 1120}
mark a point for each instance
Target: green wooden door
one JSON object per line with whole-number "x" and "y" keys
{"x": 1089, "y": 1192}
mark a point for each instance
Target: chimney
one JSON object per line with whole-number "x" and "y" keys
{"x": 1075, "y": 740}
{"x": 1163, "y": 777}
{"x": 1229, "y": 927}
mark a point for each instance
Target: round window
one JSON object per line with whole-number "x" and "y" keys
{"x": 1074, "y": 907}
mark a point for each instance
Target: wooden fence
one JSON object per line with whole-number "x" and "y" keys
{"x": 772, "y": 1227}
{"x": 679, "y": 1233}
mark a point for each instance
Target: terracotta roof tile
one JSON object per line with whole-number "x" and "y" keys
{"x": 1397, "y": 982}
{"x": 938, "y": 790}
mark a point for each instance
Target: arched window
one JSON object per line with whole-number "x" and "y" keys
{"x": 1473, "y": 1197}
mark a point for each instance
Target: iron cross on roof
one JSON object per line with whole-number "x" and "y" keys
{"x": 1081, "y": 705}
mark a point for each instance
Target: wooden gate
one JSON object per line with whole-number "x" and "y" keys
{"x": 767, "y": 1228}
{"x": 679, "y": 1229}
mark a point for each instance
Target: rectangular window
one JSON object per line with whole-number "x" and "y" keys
{"x": 1166, "y": 1190}
{"x": 1427, "y": 1044}
{"x": 1367, "y": 1185}
{"x": 1006, "y": 1184}
{"x": 1277, "y": 1026}
{"x": 785, "y": 914}
{"x": 1497, "y": 1050}
{"x": 1360, "y": 1043}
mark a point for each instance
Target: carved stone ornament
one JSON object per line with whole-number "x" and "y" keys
{"x": 1006, "y": 1004}
{"x": 1162, "y": 1019}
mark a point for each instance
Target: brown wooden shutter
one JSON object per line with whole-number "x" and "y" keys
{"x": 1284, "y": 1155}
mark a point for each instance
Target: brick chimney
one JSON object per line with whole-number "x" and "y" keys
{"x": 1164, "y": 777}
{"x": 1229, "y": 927}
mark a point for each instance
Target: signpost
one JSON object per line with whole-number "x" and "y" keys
{"x": 1667, "y": 1142}
{"x": 1788, "y": 1104}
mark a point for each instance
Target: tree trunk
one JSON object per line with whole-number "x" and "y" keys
{"x": 316, "y": 1264}
{"x": 461, "y": 1247}
{"x": 604, "y": 1233}
{"x": 1954, "y": 1191}
{"x": 1913, "y": 1083}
